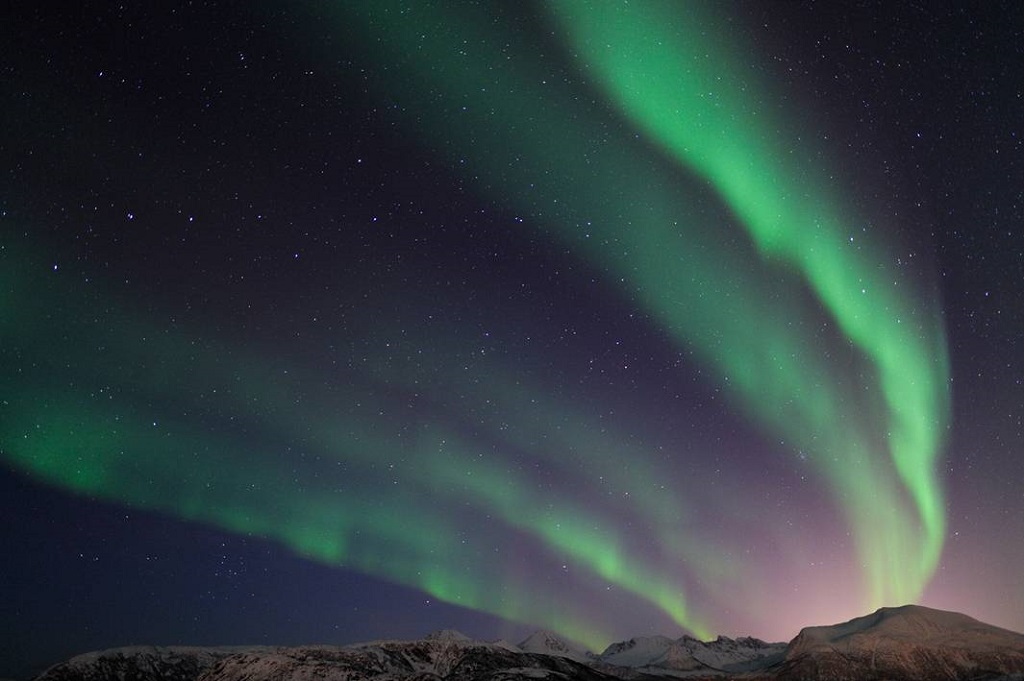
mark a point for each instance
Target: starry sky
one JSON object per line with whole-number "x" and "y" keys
{"x": 326, "y": 322}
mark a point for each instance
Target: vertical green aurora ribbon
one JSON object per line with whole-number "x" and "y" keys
{"x": 814, "y": 330}
{"x": 671, "y": 71}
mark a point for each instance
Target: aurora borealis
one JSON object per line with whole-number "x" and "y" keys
{"x": 608, "y": 318}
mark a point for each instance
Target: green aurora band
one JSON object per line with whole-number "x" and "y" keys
{"x": 737, "y": 253}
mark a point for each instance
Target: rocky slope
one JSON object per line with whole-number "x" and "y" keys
{"x": 142, "y": 663}
{"x": 419, "y": 660}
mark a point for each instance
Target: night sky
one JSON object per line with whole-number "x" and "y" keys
{"x": 325, "y": 322}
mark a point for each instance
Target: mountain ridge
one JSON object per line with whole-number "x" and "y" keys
{"x": 906, "y": 643}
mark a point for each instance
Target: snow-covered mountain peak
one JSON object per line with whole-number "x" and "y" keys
{"x": 658, "y": 654}
{"x": 636, "y": 652}
{"x": 448, "y": 636}
{"x": 545, "y": 642}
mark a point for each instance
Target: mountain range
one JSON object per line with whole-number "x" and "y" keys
{"x": 909, "y": 643}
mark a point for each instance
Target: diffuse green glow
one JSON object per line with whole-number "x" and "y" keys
{"x": 329, "y": 518}
{"x": 575, "y": 532}
{"x": 619, "y": 475}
